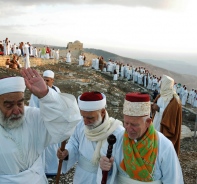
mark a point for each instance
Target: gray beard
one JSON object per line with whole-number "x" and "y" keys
{"x": 96, "y": 123}
{"x": 10, "y": 123}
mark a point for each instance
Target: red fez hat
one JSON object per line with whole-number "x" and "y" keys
{"x": 137, "y": 97}
{"x": 91, "y": 96}
{"x": 91, "y": 101}
{"x": 136, "y": 104}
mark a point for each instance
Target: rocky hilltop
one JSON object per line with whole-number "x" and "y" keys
{"x": 74, "y": 79}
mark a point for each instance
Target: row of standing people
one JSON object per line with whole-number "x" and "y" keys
{"x": 143, "y": 77}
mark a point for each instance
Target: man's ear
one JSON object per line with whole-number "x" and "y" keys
{"x": 148, "y": 121}
{"x": 102, "y": 112}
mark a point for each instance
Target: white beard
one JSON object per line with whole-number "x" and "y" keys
{"x": 10, "y": 123}
{"x": 96, "y": 123}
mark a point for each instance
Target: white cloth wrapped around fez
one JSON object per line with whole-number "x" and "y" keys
{"x": 92, "y": 104}
{"x": 48, "y": 73}
{"x": 136, "y": 104}
{"x": 12, "y": 84}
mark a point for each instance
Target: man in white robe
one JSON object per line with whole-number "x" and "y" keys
{"x": 52, "y": 53}
{"x": 93, "y": 63}
{"x": 195, "y": 99}
{"x": 18, "y": 51}
{"x": 89, "y": 136}
{"x": 81, "y": 60}
{"x": 35, "y": 52}
{"x": 26, "y": 131}
{"x": 141, "y": 154}
{"x": 50, "y": 160}
{"x": 68, "y": 57}
{"x": 109, "y": 66}
{"x": 155, "y": 82}
{"x": 96, "y": 63}
{"x": 26, "y": 59}
{"x": 189, "y": 101}
{"x": 14, "y": 48}
{"x": 57, "y": 54}
{"x": 184, "y": 96}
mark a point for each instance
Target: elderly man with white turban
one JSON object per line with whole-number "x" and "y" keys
{"x": 167, "y": 110}
{"x": 141, "y": 154}
{"x": 90, "y": 134}
{"x": 25, "y": 131}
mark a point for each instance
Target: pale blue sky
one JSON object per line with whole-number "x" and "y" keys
{"x": 152, "y": 29}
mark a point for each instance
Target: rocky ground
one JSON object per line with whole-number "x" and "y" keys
{"x": 74, "y": 79}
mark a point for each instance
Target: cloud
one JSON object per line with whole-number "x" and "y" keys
{"x": 157, "y": 4}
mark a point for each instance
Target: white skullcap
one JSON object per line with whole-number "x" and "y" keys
{"x": 12, "y": 84}
{"x": 91, "y": 101}
{"x": 48, "y": 73}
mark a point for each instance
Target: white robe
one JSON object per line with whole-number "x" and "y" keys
{"x": 190, "y": 97}
{"x": 81, "y": 60}
{"x": 27, "y": 62}
{"x": 49, "y": 158}
{"x": 93, "y": 63}
{"x": 35, "y": 52}
{"x": 57, "y": 54}
{"x": 150, "y": 83}
{"x": 109, "y": 67}
{"x": 195, "y": 100}
{"x": 68, "y": 57}
{"x": 167, "y": 167}
{"x": 53, "y": 54}
{"x": 14, "y": 49}
{"x": 184, "y": 96}
{"x": 18, "y": 52}
{"x": 80, "y": 148}
{"x": 34, "y": 100}
{"x": 136, "y": 76}
{"x": 115, "y": 77}
{"x": 158, "y": 115}
{"x": 96, "y": 64}
{"x": 21, "y": 147}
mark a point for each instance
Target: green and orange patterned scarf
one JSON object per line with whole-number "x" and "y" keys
{"x": 139, "y": 158}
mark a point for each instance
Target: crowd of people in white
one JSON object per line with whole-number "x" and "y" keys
{"x": 138, "y": 75}
{"x": 143, "y": 77}
{"x": 26, "y": 48}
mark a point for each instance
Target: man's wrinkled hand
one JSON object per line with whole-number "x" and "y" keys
{"x": 106, "y": 163}
{"x": 34, "y": 82}
{"x": 62, "y": 154}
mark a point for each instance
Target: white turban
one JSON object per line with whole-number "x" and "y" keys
{"x": 12, "y": 84}
{"x": 48, "y": 73}
{"x": 92, "y": 104}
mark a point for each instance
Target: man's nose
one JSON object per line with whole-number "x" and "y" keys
{"x": 16, "y": 110}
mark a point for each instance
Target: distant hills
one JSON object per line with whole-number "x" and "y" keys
{"x": 181, "y": 67}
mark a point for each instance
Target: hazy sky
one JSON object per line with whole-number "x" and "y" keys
{"x": 152, "y": 29}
